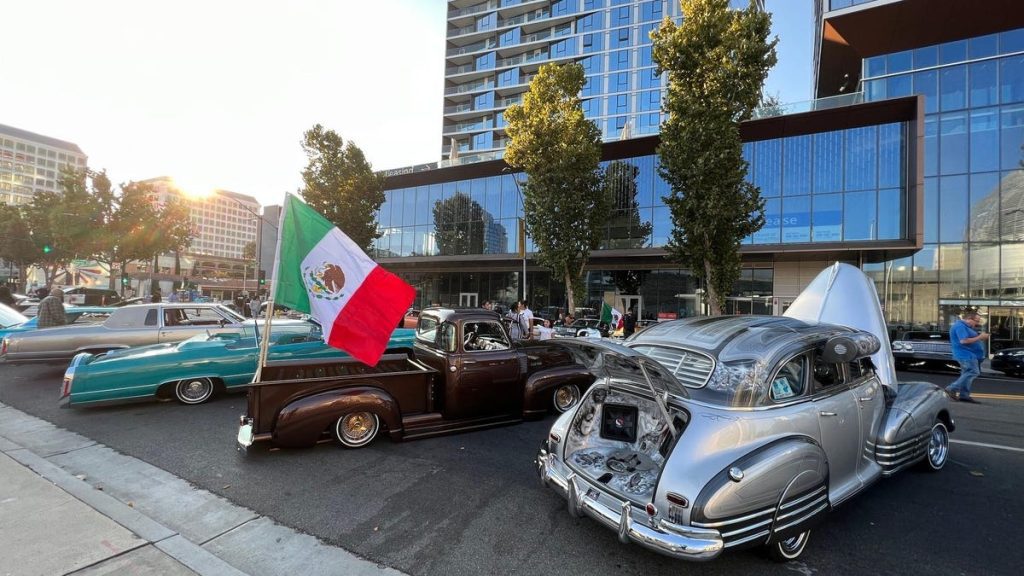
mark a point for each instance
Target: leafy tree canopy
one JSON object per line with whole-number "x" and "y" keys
{"x": 340, "y": 184}
{"x": 566, "y": 206}
{"x": 717, "y": 60}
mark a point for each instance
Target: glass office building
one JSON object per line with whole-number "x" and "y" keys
{"x": 908, "y": 164}
{"x": 969, "y": 67}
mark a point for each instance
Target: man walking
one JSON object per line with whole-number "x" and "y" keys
{"x": 969, "y": 351}
{"x": 51, "y": 310}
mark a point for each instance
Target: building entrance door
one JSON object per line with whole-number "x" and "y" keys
{"x": 1006, "y": 326}
{"x": 468, "y": 299}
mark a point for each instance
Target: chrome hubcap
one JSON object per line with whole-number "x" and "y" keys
{"x": 938, "y": 446}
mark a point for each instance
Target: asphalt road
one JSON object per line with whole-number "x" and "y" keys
{"x": 470, "y": 504}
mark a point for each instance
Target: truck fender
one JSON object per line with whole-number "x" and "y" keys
{"x": 774, "y": 481}
{"x": 303, "y": 421}
{"x": 540, "y": 385}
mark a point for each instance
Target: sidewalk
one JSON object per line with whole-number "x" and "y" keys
{"x": 71, "y": 506}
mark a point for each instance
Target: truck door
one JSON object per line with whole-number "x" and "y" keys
{"x": 488, "y": 370}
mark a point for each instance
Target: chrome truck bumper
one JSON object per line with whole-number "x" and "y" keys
{"x": 677, "y": 541}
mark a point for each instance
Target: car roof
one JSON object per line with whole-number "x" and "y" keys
{"x": 448, "y": 314}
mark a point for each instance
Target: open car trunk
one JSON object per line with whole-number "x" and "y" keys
{"x": 620, "y": 440}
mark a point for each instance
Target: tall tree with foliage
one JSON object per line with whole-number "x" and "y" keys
{"x": 339, "y": 183}
{"x": 566, "y": 206}
{"x": 16, "y": 245}
{"x": 717, "y": 60}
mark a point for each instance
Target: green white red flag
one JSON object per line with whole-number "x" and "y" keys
{"x": 610, "y": 316}
{"x": 322, "y": 272}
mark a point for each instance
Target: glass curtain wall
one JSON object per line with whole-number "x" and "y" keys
{"x": 974, "y": 181}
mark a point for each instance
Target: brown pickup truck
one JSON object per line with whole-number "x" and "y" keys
{"x": 464, "y": 373}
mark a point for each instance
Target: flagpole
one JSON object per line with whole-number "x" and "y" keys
{"x": 265, "y": 343}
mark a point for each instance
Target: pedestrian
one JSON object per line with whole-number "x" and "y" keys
{"x": 155, "y": 296}
{"x": 519, "y": 328}
{"x": 254, "y": 307}
{"x": 173, "y": 297}
{"x": 525, "y": 309}
{"x": 969, "y": 351}
{"x": 5, "y": 296}
{"x": 51, "y": 310}
{"x": 628, "y": 324}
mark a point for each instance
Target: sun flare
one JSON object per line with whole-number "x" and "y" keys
{"x": 193, "y": 188}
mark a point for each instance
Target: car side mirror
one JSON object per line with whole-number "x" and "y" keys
{"x": 849, "y": 347}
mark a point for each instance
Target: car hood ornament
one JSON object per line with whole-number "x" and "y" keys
{"x": 842, "y": 294}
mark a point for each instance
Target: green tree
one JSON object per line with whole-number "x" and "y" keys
{"x": 717, "y": 60}
{"x": 459, "y": 225}
{"x": 16, "y": 246}
{"x": 62, "y": 225}
{"x": 566, "y": 206}
{"x": 339, "y": 183}
{"x": 130, "y": 224}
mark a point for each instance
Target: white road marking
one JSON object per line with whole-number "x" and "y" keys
{"x": 986, "y": 445}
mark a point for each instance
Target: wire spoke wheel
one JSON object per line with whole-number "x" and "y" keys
{"x": 565, "y": 397}
{"x": 789, "y": 549}
{"x": 938, "y": 447}
{"x": 356, "y": 429}
{"x": 193, "y": 390}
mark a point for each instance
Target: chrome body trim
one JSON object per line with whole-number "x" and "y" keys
{"x": 677, "y": 541}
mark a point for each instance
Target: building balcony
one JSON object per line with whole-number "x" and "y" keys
{"x": 470, "y": 10}
{"x": 473, "y": 87}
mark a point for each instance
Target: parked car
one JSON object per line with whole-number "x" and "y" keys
{"x": 75, "y": 315}
{"x": 1009, "y": 361}
{"x": 86, "y": 296}
{"x": 702, "y": 435}
{"x": 194, "y": 370}
{"x": 923, "y": 348}
{"x": 464, "y": 373}
{"x": 589, "y": 327}
{"x": 137, "y": 325}
{"x": 411, "y": 318}
{"x": 9, "y": 318}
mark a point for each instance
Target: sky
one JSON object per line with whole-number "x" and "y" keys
{"x": 217, "y": 93}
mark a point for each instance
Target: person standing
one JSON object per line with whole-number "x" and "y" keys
{"x": 519, "y": 328}
{"x": 254, "y": 307}
{"x": 6, "y": 297}
{"x": 969, "y": 351}
{"x": 524, "y": 307}
{"x": 51, "y": 310}
{"x": 155, "y": 296}
{"x": 628, "y": 324}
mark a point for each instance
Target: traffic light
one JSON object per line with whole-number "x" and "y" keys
{"x": 47, "y": 249}
{"x": 125, "y": 280}
{"x": 263, "y": 279}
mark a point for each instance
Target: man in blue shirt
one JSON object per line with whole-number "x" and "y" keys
{"x": 969, "y": 351}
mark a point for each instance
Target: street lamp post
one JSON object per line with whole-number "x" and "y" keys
{"x": 522, "y": 226}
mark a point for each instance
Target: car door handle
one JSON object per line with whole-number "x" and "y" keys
{"x": 866, "y": 398}
{"x": 827, "y": 413}
{"x": 468, "y": 362}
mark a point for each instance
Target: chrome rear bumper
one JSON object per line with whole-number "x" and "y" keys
{"x": 677, "y": 541}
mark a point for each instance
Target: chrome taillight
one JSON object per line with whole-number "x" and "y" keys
{"x": 65, "y": 388}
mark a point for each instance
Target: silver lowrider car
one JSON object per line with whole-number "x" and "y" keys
{"x": 705, "y": 434}
{"x": 137, "y": 325}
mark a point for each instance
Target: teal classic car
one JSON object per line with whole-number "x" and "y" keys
{"x": 194, "y": 370}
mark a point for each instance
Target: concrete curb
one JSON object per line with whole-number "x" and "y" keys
{"x": 212, "y": 538}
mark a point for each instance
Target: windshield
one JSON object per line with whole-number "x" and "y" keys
{"x": 10, "y": 317}
{"x": 231, "y": 313}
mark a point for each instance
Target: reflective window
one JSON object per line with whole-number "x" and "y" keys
{"x": 890, "y": 155}
{"x": 796, "y": 219}
{"x": 827, "y": 219}
{"x": 953, "y": 195}
{"x": 899, "y": 62}
{"x": 952, "y": 270}
{"x": 828, "y": 174}
{"x": 891, "y": 212}
{"x": 984, "y": 217}
{"x": 897, "y": 86}
{"x": 771, "y": 232}
{"x": 952, "y": 143}
{"x": 1011, "y": 136}
{"x": 1011, "y": 211}
{"x": 931, "y": 209}
{"x": 982, "y": 77}
{"x": 861, "y": 156}
{"x": 927, "y": 83}
{"x": 983, "y": 46}
{"x": 984, "y": 151}
{"x": 952, "y": 52}
{"x": 1011, "y": 79}
{"x": 767, "y": 169}
{"x": 796, "y": 167}
{"x": 931, "y": 145}
{"x": 953, "y": 88}
{"x": 1011, "y": 41}
{"x": 859, "y": 215}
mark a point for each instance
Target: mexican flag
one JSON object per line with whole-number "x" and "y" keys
{"x": 321, "y": 272}
{"x": 611, "y": 317}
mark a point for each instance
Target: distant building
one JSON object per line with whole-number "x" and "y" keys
{"x": 31, "y": 163}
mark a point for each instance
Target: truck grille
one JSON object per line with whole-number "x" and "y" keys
{"x": 690, "y": 368}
